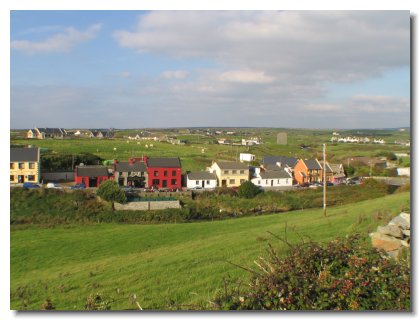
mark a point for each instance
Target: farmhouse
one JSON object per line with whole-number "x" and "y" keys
{"x": 24, "y": 165}
{"x": 201, "y": 179}
{"x": 280, "y": 177}
{"x": 91, "y": 176}
{"x": 229, "y": 173}
{"x": 131, "y": 173}
{"x": 164, "y": 172}
{"x": 308, "y": 171}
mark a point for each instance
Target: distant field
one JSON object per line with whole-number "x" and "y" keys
{"x": 165, "y": 265}
{"x": 193, "y": 156}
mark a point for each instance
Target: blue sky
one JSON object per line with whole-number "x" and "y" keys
{"x": 132, "y": 69}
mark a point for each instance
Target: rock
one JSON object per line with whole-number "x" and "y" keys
{"x": 391, "y": 230}
{"x": 385, "y": 242}
{"x": 400, "y": 222}
{"x": 405, "y": 216}
{"x": 405, "y": 243}
{"x": 406, "y": 233}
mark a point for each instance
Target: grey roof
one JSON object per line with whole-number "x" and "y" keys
{"x": 229, "y": 165}
{"x": 312, "y": 164}
{"x": 273, "y": 167}
{"x": 92, "y": 171}
{"x": 50, "y": 130}
{"x": 274, "y": 174}
{"x": 327, "y": 166}
{"x": 126, "y": 166}
{"x": 289, "y": 161}
{"x": 24, "y": 154}
{"x": 201, "y": 175}
{"x": 164, "y": 163}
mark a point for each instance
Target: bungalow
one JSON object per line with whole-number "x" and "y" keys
{"x": 164, "y": 172}
{"x": 201, "y": 179}
{"x": 289, "y": 162}
{"x": 131, "y": 173}
{"x": 308, "y": 171}
{"x": 272, "y": 178}
{"x": 91, "y": 176}
{"x": 24, "y": 165}
{"x": 229, "y": 173}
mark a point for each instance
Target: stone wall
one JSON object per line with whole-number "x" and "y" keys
{"x": 148, "y": 205}
{"x": 394, "y": 237}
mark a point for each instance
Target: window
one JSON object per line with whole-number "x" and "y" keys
{"x": 266, "y": 181}
{"x": 208, "y": 182}
{"x": 226, "y": 171}
{"x": 21, "y": 165}
{"x": 234, "y": 171}
{"x": 173, "y": 181}
{"x": 259, "y": 181}
{"x": 173, "y": 173}
{"x": 242, "y": 171}
{"x": 165, "y": 173}
{"x": 31, "y": 177}
{"x": 287, "y": 180}
{"x": 12, "y": 165}
{"x": 155, "y": 182}
{"x": 232, "y": 181}
{"x": 155, "y": 173}
{"x": 12, "y": 177}
{"x": 31, "y": 165}
{"x": 278, "y": 181}
{"x": 197, "y": 182}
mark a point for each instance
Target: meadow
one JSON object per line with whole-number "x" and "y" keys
{"x": 167, "y": 266}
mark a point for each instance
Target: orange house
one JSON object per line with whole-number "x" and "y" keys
{"x": 308, "y": 171}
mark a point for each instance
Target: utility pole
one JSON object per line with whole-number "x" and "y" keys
{"x": 325, "y": 180}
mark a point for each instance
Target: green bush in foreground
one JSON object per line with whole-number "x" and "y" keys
{"x": 110, "y": 191}
{"x": 248, "y": 190}
{"x": 342, "y": 275}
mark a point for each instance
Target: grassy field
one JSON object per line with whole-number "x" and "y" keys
{"x": 194, "y": 158}
{"x": 165, "y": 266}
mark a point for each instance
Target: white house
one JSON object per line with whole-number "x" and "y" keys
{"x": 272, "y": 179}
{"x": 246, "y": 157}
{"x": 201, "y": 179}
{"x": 403, "y": 171}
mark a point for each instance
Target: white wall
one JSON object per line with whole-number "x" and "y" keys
{"x": 193, "y": 183}
{"x": 246, "y": 157}
{"x": 283, "y": 182}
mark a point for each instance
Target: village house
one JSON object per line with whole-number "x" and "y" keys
{"x": 229, "y": 173}
{"x": 91, "y": 176}
{"x": 339, "y": 176}
{"x": 24, "y": 165}
{"x": 246, "y": 157}
{"x": 131, "y": 173}
{"x": 43, "y": 133}
{"x": 164, "y": 172}
{"x": 201, "y": 179}
{"x": 308, "y": 171}
{"x": 277, "y": 177}
{"x": 329, "y": 173}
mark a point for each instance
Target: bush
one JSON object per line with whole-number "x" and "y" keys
{"x": 110, "y": 191}
{"x": 342, "y": 275}
{"x": 248, "y": 190}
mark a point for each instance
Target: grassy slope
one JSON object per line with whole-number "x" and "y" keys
{"x": 162, "y": 264}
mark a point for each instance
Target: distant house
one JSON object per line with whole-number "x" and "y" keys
{"x": 339, "y": 176}
{"x": 91, "y": 176}
{"x": 100, "y": 134}
{"x": 201, "y": 179}
{"x": 30, "y": 134}
{"x": 308, "y": 171}
{"x": 24, "y": 165}
{"x": 280, "y": 177}
{"x": 131, "y": 173}
{"x": 247, "y": 157}
{"x": 164, "y": 172}
{"x": 229, "y": 173}
{"x": 43, "y": 133}
{"x": 329, "y": 173}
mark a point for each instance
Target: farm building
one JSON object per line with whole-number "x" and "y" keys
{"x": 246, "y": 157}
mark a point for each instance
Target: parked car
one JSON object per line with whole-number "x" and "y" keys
{"x": 51, "y": 185}
{"x": 329, "y": 184}
{"x": 78, "y": 186}
{"x": 30, "y": 185}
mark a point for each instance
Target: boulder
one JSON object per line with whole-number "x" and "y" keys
{"x": 400, "y": 222}
{"x": 405, "y": 216}
{"x": 391, "y": 230}
{"x": 385, "y": 242}
{"x": 405, "y": 243}
{"x": 406, "y": 233}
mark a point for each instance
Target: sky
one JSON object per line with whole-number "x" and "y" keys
{"x": 144, "y": 69}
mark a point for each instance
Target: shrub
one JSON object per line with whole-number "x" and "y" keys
{"x": 248, "y": 190}
{"x": 341, "y": 275}
{"x": 110, "y": 191}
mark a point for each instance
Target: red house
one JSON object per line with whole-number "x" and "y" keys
{"x": 164, "y": 172}
{"x": 91, "y": 176}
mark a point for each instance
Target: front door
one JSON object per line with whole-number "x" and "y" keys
{"x": 272, "y": 182}
{"x": 202, "y": 183}
{"x": 164, "y": 183}
{"x": 93, "y": 182}
{"x": 223, "y": 183}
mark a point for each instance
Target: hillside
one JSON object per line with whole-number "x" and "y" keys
{"x": 165, "y": 266}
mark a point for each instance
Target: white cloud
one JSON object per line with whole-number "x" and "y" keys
{"x": 245, "y": 76}
{"x": 60, "y": 42}
{"x": 174, "y": 74}
{"x": 322, "y": 107}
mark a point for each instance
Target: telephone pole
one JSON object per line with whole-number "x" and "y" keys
{"x": 325, "y": 180}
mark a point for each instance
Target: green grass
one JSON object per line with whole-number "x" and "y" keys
{"x": 169, "y": 264}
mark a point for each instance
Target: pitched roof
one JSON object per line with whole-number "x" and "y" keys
{"x": 273, "y": 167}
{"x": 282, "y": 174}
{"x": 126, "y": 166}
{"x": 24, "y": 154}
{"x": 50, "y": 130}
{"x": 201, "y": 175}
{"x": 327, "y": 166}
{"x": 91, "y": 171}
{"x": 289, "y": 161}
{"x": 312, "y": 164}
{"x": 164, "y": 163}
{"x": 229, "y": 165}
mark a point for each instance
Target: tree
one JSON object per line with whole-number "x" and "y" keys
{"x": 110, "y": 191}
{"x": 248, "y": 190}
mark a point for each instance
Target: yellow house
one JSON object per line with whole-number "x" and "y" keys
{"x": 229, "y": 173}
{"x": 24, "y": 165}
